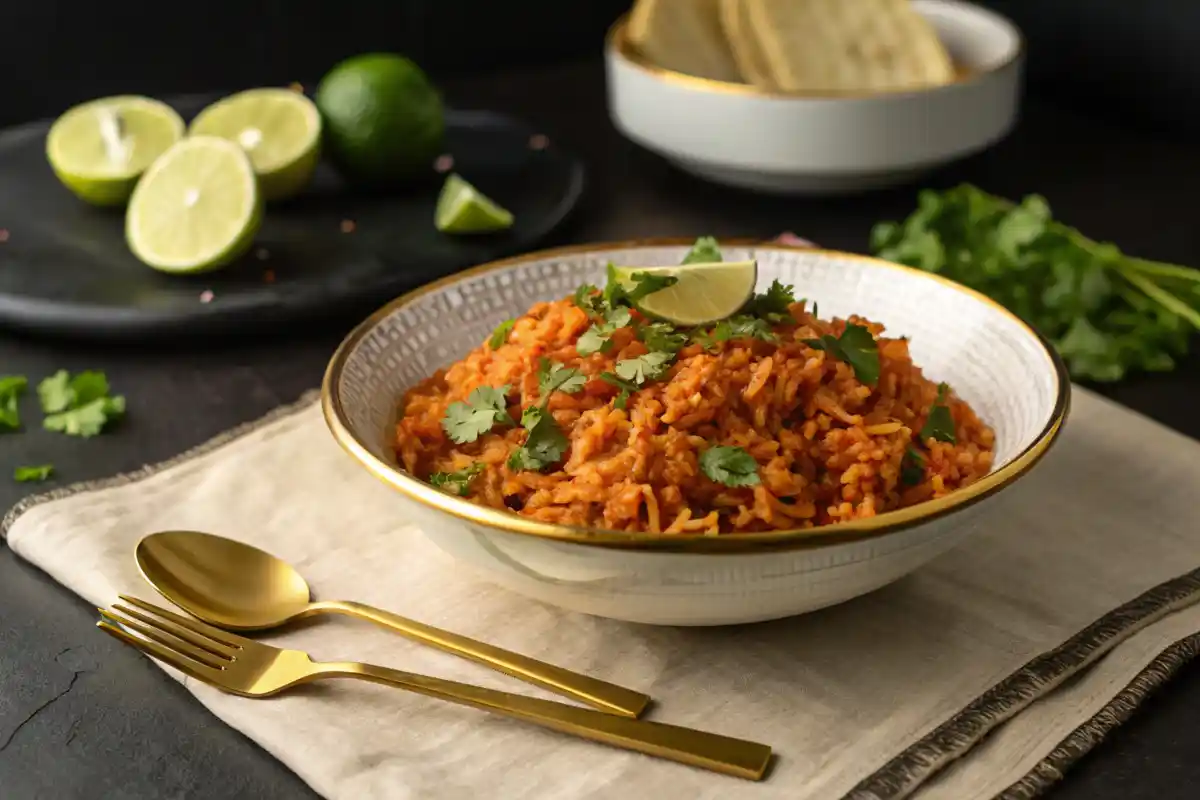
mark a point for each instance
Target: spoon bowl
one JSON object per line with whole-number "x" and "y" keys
{"x": 225, "y": 582}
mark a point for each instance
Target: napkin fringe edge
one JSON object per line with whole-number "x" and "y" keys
{"x": 1039, "y": 676}
{"x": 1051, "y": 769}
{"x": 276, "y": 414}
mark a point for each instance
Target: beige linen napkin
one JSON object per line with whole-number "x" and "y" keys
{"x": 1079, "y": 575}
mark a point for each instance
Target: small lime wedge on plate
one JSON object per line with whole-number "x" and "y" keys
{"x": 461, "y": 208}
{"x": 280, "y": 129}
{"x": 702, "y": 293}
{"x": 99, "y": 149}
{"x": 197, "y": 208}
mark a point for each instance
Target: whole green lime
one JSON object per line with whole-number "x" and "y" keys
{"x": 383, "y": 118}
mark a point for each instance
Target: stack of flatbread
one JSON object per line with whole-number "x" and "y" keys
{"x": 817, "y": 46}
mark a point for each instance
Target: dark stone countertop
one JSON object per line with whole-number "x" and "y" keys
{"x": 83, "y": 717}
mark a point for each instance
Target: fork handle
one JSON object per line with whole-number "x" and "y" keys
{"x": 596, "y": 693}
{"x": 724, "y": 754}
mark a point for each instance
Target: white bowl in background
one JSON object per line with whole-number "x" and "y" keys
{"x": 743, "y": 136}
{"x": 992, "y": 359}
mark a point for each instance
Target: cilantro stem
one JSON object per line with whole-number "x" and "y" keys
{"x": 1164, "y": 270}
{"x": 1163, "y": 298}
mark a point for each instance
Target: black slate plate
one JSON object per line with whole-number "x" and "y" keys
{"x": 65, "y": 269}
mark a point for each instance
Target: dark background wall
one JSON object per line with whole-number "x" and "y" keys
{"x": 1138, "y": 59}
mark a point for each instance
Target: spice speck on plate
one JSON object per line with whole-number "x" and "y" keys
{"x": 539, "y": 141}
{"x": 443, "y": 163}
{"x": 206, "y": 296}
{"x": 348, "y": 226}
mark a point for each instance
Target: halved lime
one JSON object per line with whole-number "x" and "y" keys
{"x": 461, "y": 208}
{"x": 197, "y": 208}
{"x": 702, "y": 294}
{"x": 100, "y": 148}
{"x": 280, "y": 129}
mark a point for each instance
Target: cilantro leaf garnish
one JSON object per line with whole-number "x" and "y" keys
{"x": 78, "y": 405}
{"x": 856, "y": 347}
{"x": 500, "y": 335}
{"x": 556, "y": 377}
{"x": 940, "y": 423}
{"x": 649, "y": 367}
{"x": 589, "y": 299}
{"x": 11, "y": 389}
{"x": 704, "y": 251}
{"x": 484, "y": 408}
{"x": 739, "y": 327}
{"x": 598, "y": 338}
{"x": 458, "y": 482}
{"x": 1106, "y": 313}
{"x": 731, "y": 466}
{"x": 645, "y": 283}
{"x": 912, "y": 467}
{"x": 627, "y": 388}
{"x": 33, "y": 474}
{"x": 772, "y": 305}
{"x": 545, "y": 442}
{"x": 662, "y": 337}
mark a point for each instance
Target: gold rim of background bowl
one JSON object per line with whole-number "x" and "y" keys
{"x": 617, "y": 41}
{"x": 836, "y": 533}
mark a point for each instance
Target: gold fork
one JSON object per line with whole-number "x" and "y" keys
{"x": 253, "y": 669}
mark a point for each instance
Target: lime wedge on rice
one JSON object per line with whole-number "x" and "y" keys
{"x": 100, "y": 148}
{"x": 280, "y": 129}
{"x": 197, "y": 208}
{"x": 702, "y": 293}
{"x": 461, "y": 208}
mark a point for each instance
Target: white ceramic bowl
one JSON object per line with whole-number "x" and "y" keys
{"x": 993, "y": 360}
{"x": 743, "y": 136}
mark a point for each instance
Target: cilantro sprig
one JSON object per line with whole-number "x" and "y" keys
{"x": 912, "y": 467}
{"x": 484, "y": 408}
{"x": 1106, "y": 313}
{"x": 742, "y": 326}
{"x": 545, "y": 442}
{"x": 598, "y": 338}
{"x": 500, "y": 335}
{"x": 772, "y": 305}
{"x": 627, "y": 388}
{"x": 856, "y": 347}
{"x": 731, "y": 466}
{"x": 704, "y": 251}
{"x": 11, "y": 389}
{"x": 939, "y": 424}
{"x": 459, "y": 481}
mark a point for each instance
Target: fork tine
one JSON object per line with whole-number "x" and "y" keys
{"x": 165, "y": 626}
{"x": 152, "y": 629}
{"x": 230, "y": 640}
{"x": 165, "y": 654}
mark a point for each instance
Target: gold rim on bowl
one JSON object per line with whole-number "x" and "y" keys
{"x": 617, "y": 41}
{"x": 839, "y": 532}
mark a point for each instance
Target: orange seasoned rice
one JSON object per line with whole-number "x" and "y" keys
{"x": 828, "y": 448}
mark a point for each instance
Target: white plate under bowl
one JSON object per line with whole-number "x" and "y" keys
{"x": 743, "y": 136}
{"x": 993, "y": 360}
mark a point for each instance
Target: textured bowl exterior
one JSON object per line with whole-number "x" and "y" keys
{"x": 745, "y": 137}
{"x": 992, "y": 359}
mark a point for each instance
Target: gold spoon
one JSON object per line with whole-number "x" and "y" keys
{"x": 240, "y": 588}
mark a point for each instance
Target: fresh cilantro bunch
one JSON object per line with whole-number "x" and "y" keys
{"x": 1106, "y": 313}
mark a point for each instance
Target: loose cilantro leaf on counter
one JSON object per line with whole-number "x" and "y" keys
{"x": 912, "y": 467}
{"x": 78, "y": 405}
{"x": 484, "y": 408}
{"x": 33, "y": 474}
{"x": 856, "y": 347}
{"x": 940, "y": 424}
{"x": 731, "y": 466}
{"x": 11, "y": 389}
{"x": 704, "y": 251}
{"x": 598, "y": 338}
{"x": 649, "y": 367}
{"x": 1105, "y": 312}
{"x": 458, "y": 482}
{"x": 545, "y": 442}
{"x": 627, "y": 388}
{"x": 557, "y": 378}
{"x": 500, "y": 335}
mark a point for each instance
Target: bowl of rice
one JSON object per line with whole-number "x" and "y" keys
{"x": 546, "y": 423}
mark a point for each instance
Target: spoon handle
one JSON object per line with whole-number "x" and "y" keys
{"x": 599, "y": 694}
{"x": 725, "y": 754}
